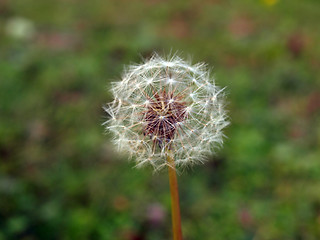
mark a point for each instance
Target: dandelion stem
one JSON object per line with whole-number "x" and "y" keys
{"x": 175, "y": 207}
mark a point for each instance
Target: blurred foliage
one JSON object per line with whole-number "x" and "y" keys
{"x": 59, "y": 175}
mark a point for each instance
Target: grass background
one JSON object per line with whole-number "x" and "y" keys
{"x": 59, "y": 175}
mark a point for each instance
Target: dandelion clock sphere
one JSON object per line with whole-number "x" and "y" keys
{"x": 167, "y": 105}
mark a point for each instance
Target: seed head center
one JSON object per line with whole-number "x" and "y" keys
{"x": 162, "y": 117}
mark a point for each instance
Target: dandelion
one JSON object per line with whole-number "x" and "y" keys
{"x": 167, "y": 112}
{"x": 167, "y": 104}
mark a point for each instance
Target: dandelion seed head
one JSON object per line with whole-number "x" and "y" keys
{"x": 167, "y": 104}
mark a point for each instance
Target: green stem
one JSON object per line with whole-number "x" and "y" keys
{"x": 175, "y": 207}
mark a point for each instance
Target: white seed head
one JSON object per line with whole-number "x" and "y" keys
{"x": 167, "y": 104}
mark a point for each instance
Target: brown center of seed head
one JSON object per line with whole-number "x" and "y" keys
{"x": 163, "y": 116}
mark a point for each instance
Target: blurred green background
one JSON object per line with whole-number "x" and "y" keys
{"x": 59, "y": 175}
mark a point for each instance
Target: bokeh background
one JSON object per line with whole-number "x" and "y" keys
{"x": 59, "y": 175}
